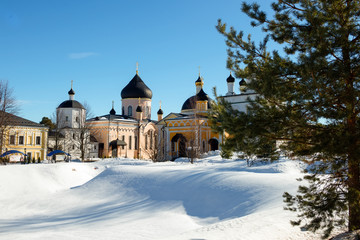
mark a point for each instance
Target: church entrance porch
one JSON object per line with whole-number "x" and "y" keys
{"x": 214, "y": 144}
{"x": 178, "y": 143}
{"x": 116, "y": 147}
{"x": 182, "y": 147}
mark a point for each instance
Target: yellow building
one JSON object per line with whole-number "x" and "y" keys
{"x": 25, "y": 136}
{"x": 188, "y": 132}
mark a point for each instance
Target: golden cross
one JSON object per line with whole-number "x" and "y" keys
{"x": 71, "y": 84}
{"x": 199, "y": 71}
{"x": 113, "y": 104}
{"x": 160, "y": 104}
{"x": 137, "y": 67}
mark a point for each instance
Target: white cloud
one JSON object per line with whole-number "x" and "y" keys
{"x": 81, "y": 55}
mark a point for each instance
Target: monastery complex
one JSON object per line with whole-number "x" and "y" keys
{"x": 132, "y": 133}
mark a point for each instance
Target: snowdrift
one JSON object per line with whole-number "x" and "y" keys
{"x": 130, "y": 199}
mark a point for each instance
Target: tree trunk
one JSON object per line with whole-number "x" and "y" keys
{"x": 353, "y": 176}
{"x": 354, "y": 194}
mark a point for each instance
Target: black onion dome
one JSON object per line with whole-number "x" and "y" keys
{"x": 160, "y": 111}
{"x": 230, "y": 79}
{"x": 136, "y": 88}
{"x": 202, "y": 96}
{"x": 138, "y": 109}
{"x": 242, "y": 82}
{"x": 190, "y": 103}
{"x": 71, "y": 104}
{"x": 71, "y": 92}
{"x": 112, "y": 111}
{"x": 199, "y": 79}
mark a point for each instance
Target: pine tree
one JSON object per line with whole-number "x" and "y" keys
{"x": 308, "y": 100}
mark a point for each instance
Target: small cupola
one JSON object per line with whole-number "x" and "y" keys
{"x": 199, "y": 84}
{"x": 160, "y": 113}
{"x": 139, "y": 113}
{"x": 138, "y": 109}
{"x": 202, "y": 96}
{"x": 230, "y": 78}
{"x": 112, "y": 111}
{"x": 243, "y": 85}
{"x": 230, "y": 83}
{"x": 71, "y": 92}
{"x": 202, "y": 101}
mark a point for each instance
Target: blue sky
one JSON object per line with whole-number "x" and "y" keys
{"x": 46, "y": 44}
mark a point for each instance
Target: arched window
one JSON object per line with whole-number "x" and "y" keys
{"x": 151, "y": 139}
{"x": 130, "y": 111}
{"x": 146, "y": 141}
{"x": 123, "y": 111}
{"x": 147, "y": 112}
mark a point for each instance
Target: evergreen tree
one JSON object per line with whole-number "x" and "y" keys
{"x": 308, "y": 100}
{"x": 47, "y": 122}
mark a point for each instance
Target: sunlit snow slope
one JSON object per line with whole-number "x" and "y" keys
{"x": 130, "y": 199}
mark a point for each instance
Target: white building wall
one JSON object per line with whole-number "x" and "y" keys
{"x": 71, "y": 117}
{"x": 240, "y": 101}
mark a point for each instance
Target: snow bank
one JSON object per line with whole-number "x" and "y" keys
{"x": 130, "y": 199}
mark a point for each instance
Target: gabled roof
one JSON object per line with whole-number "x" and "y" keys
{"x": 192, "y": 116}
{"x": 170, "y": 116}
{"x": 14, "y": 120}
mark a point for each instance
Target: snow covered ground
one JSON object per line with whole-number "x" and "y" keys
{"x": 130, "y": 199}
